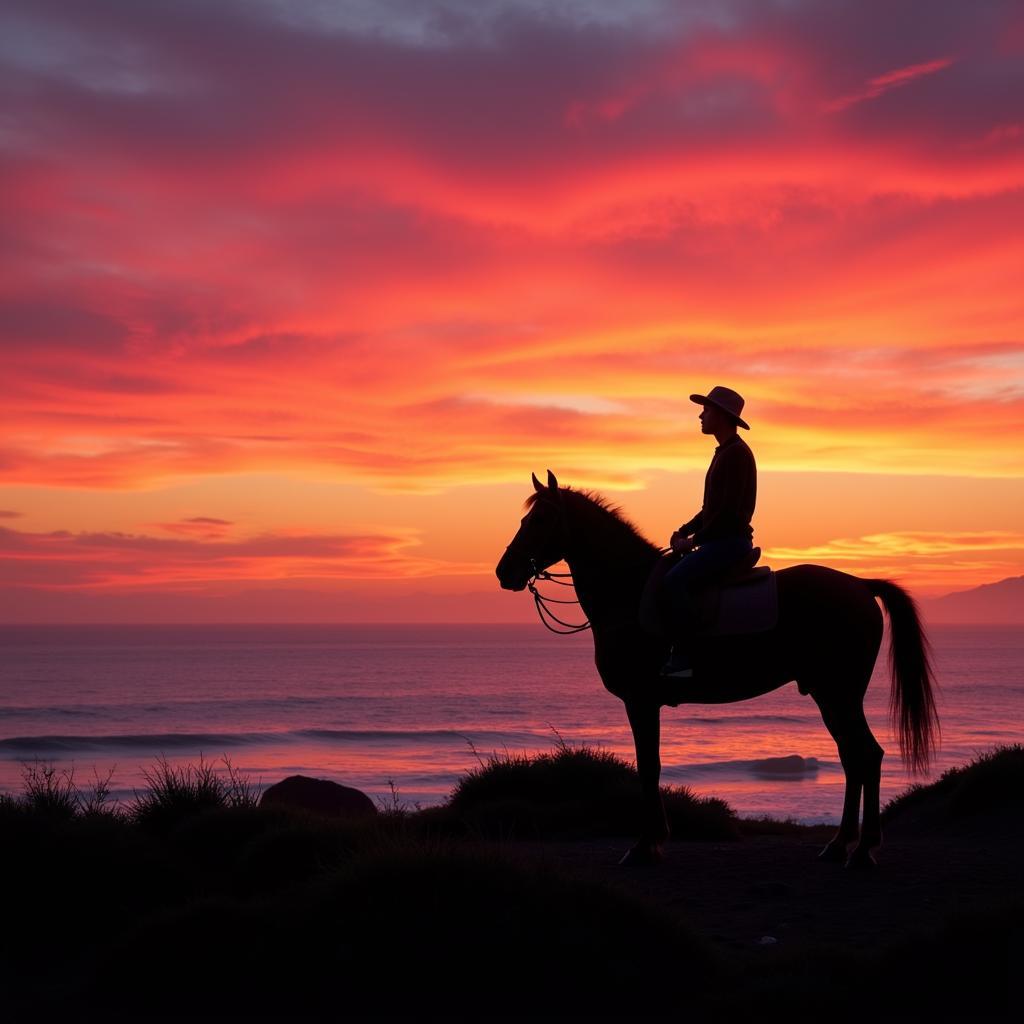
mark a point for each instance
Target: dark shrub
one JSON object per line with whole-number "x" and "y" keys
{"x": 993, "y": 780}
{"x": 698, "y": 817}
{"x": 570, "y": 792}
{"x": 295, "y": 850}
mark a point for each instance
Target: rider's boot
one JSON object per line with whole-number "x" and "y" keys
{"x": 679, "y": 665}
{"x": 683, "y": 611}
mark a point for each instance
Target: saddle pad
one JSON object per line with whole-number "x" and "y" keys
{"x": 748, "y": 607}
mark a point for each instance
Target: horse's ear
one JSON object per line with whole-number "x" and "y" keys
{"x": 537, "y": 485}
{"x": 552, "y": 482}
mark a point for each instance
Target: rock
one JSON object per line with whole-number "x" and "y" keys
{"x": 320, "y": 796}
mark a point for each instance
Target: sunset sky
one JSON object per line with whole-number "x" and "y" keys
{"x": 295, "y": 296}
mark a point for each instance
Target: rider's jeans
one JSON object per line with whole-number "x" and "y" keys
{"x": 697, "y": 568}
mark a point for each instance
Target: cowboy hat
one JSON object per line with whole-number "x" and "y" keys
{"x": 725, "y": 399}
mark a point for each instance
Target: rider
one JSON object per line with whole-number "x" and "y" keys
{"x": 720, "y": 535}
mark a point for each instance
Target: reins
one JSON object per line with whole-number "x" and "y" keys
{"x": 541, "y": 601}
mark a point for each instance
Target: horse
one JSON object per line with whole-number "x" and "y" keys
{"x": 826, "y": 640}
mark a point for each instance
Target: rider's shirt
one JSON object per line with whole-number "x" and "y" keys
{"x": 730, "y": 493}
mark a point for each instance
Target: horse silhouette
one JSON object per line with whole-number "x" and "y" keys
{"x": 826, "y": 639}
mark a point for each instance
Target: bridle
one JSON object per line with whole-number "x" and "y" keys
{"x": 541, "y": 601}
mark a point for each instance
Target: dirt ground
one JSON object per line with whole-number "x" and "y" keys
{"x": 771, "y": 893}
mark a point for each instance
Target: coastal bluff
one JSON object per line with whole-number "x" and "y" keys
{"x": 511, "y": 891}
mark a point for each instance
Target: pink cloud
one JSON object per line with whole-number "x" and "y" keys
{"x": 318, "y": 254}
{"x": 880, "y": 84}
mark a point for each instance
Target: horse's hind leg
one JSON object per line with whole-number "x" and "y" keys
{"x": 835, "y": 851}
{"x": 869, "y": 754}
{"x": 861, "y": 757}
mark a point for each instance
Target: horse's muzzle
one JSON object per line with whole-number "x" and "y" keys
{"x": 507, "y": 584}
{"x": 511, "y": 572}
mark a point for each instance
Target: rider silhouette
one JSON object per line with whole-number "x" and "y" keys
{"x": 719, "y": 535}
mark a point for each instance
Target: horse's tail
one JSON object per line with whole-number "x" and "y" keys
{"x": 911, "y": 703}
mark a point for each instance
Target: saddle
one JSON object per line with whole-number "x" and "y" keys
{"x": 744, "y": 600}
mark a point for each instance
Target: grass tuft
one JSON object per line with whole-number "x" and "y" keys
{"x": 763, "y": 825}
{"x": 176, "y": 793}
{"x": 994, "y": 779}
{"x": 49, "y": 791}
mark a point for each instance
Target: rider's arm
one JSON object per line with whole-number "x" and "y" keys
{"x": 688, "y": 529}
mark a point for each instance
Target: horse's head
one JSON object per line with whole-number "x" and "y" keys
{"x": 540, "y": 539}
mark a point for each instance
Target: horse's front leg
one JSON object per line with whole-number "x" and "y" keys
{"x": 645, "y": 721}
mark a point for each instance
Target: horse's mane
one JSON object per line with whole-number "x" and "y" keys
{"x": 597, "y": 506}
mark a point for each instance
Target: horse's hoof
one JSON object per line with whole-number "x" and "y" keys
{"x": 861, "y": 860}
{"x": 642, "y": 855}
{"x": 834, "y": 853}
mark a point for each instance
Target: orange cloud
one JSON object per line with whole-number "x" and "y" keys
{"x": 937, "y": 562}
{"x": 198, "y": 526}
{"x": 411, "y": 257}
{"x": 120, "y": 561}
{"x": 887, "y": 409}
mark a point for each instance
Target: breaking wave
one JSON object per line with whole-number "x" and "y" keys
{"x": 778, "y": 769}
{"x": 44, "y": 746}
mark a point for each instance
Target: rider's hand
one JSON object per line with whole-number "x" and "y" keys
{"x": 680, "y": 544}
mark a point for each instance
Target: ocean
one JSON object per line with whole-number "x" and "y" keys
{"x": 415, "y": 707}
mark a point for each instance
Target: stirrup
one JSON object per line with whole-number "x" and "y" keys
{"x": 679, "y": 673}
{"x": 673, "y": 670}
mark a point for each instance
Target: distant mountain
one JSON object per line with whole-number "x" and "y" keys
{"x": 992, "y": 604}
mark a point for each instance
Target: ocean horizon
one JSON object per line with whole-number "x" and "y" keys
{"x": 410, "y": 708}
